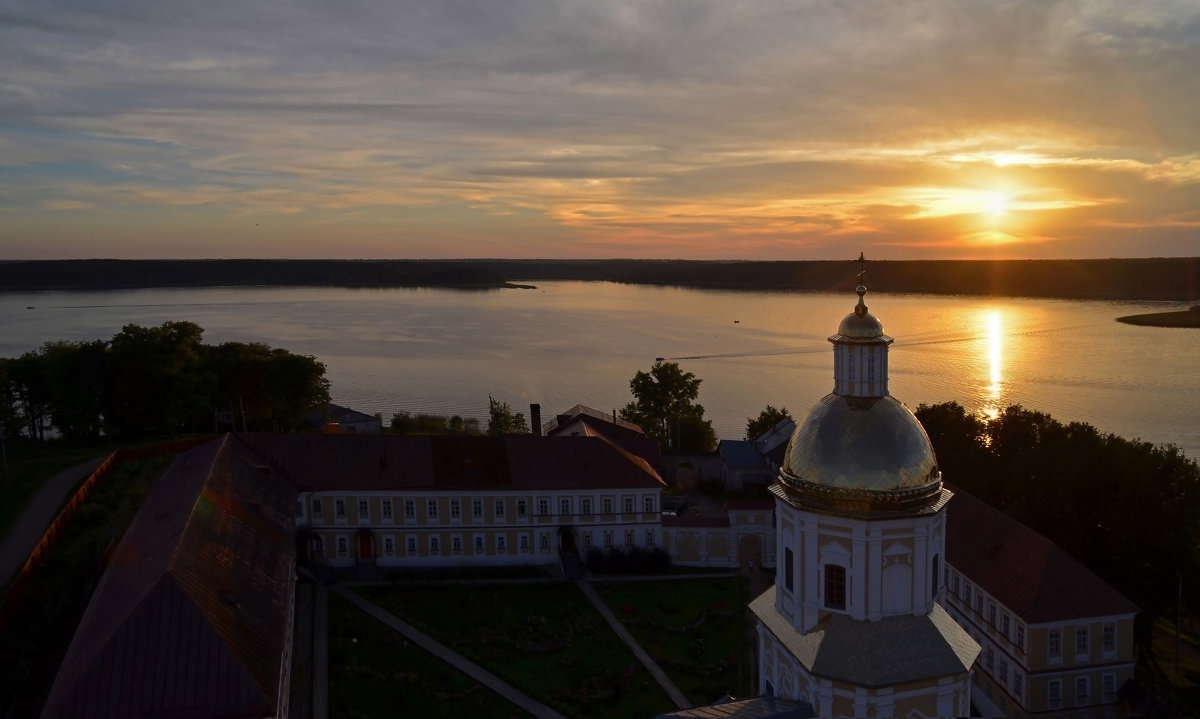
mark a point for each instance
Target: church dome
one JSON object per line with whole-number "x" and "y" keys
{"x": 860, "y": 324}
{"x": 867, "y": 454}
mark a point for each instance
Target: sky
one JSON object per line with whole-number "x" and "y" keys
{"x": 706, "y": 129}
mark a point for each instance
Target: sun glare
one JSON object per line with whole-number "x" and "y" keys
{"x": 995, "y": 204}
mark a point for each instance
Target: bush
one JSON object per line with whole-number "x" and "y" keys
{"x": 634, "y": 560}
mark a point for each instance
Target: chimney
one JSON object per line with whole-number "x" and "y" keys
{"x": 535, "y": 419}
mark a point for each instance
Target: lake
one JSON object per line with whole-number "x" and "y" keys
{"x": 566, "y": 343}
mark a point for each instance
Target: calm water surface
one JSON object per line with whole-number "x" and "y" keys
{"x": 580, "y": 342}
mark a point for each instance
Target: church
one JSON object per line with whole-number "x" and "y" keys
{"x": 854, "y": 624}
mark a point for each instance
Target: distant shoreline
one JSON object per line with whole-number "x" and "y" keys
{"x": 1189, "y": 318}
{"x": 1170, "y": 279}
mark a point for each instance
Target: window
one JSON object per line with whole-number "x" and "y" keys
{"x": 587, "y": 540}
{"x": 477, "y": 509}
{"x": 318, "y": 547}
{"x": 521, "y": 508}
{"x": 499, "y": 509}
{"x": 991, "y": 614}
{"x": 1108, "y": 685}
{"x": 967, "y": 594}
{"x": 1021, "y": 636}
{"x": 979, "y": 603}
{"x": 1083, "y": 690}
{"x": 389, "y": 545}
{"x": 501, "y": 544}
{"x": 316, "y": 507}
{"x": 1108, "y": 641}
{"x": 1005, "y": 624}
{"x": 387, "y": 509}
{"x": 1003, "y": 673}
{"x": 564, "y": 505}
{"x": 412, "y": 544}
{"x": 936, "y": 574}
{"x": 1054, "y": 644}
{"x": 648, "y": 504}
{"x": 431, "y": 508}
{"x": 456, "y": 544}
{"x": 364, "y": 511}
{"x": 410, "y": 509}
{"x": 608, "y": 505}
{"x": 628, "y": 538}
{"x": 871, "y": 367}
{"x": 627, "y": 505}
{"x": 455, "y": 509}
{"x": 543, "y": 507}
{"x": 435, "y": 546}
{"x": 339, "y": 508}
{"x": 991, "y": 659}
{"x": 341, "y": 547}
{"x": 585, "y": 505}
{"x": 524, "y": 542}
{"x": 835, "y": 586}
{"x": 544, "y": 543}
{"x": 1081, "y": 642}
{"x": 649, "y": 537}
{"x": 299, "y": 509}
{"x": 788, "y": 577}
{"x": 1054, "y": 693}
{"x": 608, "y": 536}
{"x": 1018, "y": 685}
{"x": 954, "y": 583}
{"x": 479, "y": 544}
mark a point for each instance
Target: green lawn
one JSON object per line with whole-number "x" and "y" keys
{"x": 545, "y": 639}
{"x": 36, "y": 636}
{"x": 695, "y": 629}
{"x": 30, "y": 464}
{"x": 375, "y": 672}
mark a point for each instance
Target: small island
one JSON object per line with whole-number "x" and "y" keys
{"x": 1180, "y": 318}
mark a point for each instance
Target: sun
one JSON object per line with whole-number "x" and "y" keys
{"x": 995, "y": 204}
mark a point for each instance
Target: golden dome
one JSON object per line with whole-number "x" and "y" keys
{"x": 860, "y": 455}
{"x": 860, "y": 324}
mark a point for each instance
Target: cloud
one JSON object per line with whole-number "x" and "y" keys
{"x": 671, "y": 128}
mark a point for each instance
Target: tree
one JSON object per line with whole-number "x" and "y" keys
{"x": 664, "y": 406}
{"x": 156, "y": 385}
{"x": 502, "y": 420}
{"x": 766, "y": 419}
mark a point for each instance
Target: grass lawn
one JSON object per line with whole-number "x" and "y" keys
{"x": 546, "y": 640}
{"x": 30, "y": 464}
{"x": 36, "y": 636}
{"x": 695, "y": 629}
{"x": 375, "y": 672}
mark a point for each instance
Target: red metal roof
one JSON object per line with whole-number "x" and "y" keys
{"x": 1025, "y": 571}
{"x": 191, "y": 616}
{"x": 513, "y": 462}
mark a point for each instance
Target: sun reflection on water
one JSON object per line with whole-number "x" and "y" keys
{"x": 994, "y": 336}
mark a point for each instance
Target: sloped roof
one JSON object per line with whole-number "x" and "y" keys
{"x": 756, "y": 708}
{"x": 887, "y": 652}
{"x": 1029, "y": 574}
{"x": 585, "y": 421}
{"x": 740, "y": 453}
{"x": 580, "y": 412}
{"x": 516, "y": 462}
{"x": 192, "y": 615}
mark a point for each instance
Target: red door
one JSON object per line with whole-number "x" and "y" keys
{"x": 364, "y": 545}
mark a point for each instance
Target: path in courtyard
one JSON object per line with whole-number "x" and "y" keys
{"x": 451, "y": 657}
{"x": 24, "y": 534}
{"x": 656, "y": 671}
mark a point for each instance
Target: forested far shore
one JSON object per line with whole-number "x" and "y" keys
{"x": 1175, "y": 279}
